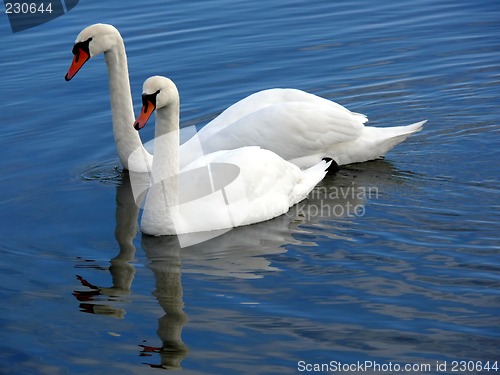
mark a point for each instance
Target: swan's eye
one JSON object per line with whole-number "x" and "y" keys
{"x": 149, "y": 99}
{"x": 82, "y": 46}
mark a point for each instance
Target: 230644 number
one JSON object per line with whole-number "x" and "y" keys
{"x": 28, "y": 8}
{"x": 474, "y": 366}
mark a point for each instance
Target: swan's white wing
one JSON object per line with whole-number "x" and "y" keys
{"x": 220, "y": 156}
{"x": 260, "y": 100}
{"x": 296, "y": 125}
{"x": 250, "y": 104}
{"x": 270, "y": 184}
{"x": 290, "y": 129}
{"x": 259, "y": 186}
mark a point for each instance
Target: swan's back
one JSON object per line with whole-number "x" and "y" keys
{"x": 289, "y": 122}
{"x": 253, "y": 103}
{"x": 265, "y": 187}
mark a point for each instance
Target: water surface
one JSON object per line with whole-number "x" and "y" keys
{"x": 394, "y": 260}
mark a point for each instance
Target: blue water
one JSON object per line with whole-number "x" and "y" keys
{"x": 395, "y": 260}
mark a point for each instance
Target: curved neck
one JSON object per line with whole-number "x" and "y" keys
{"x": 126, "y": 138}
{"x": 160, "y": 209}
{"x": 166, "y": 143}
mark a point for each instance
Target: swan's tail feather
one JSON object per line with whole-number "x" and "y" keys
{"x": 401, "y": 131}
{"x": 333, "y": 167}
{"x": 319, "y": 170}
{"x": 310, "y": 178}
{"x": 388, "y": 138}
{"x": 413, "y": 128}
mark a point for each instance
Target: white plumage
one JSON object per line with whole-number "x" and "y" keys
{"x": 231, "y": 187}
{"x": 300, "y": 127}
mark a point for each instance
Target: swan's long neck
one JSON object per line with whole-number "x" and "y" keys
{"x": 160, "y": 210}
{"x": 166, "y": 159}
{"x": 126, "y": 138}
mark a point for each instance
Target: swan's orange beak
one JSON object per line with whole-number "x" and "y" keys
{"x": 80, "y": 58}
{"x": 148, "y": 107}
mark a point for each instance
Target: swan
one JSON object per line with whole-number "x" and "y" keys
{"x": 264, "y": 185}
{"x": 300, "y": 127}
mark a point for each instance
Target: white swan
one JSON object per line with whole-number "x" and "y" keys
{"x": 300, "y": 127}
{"x": 242, "y": 186}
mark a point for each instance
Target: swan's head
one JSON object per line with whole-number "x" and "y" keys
{"x": 157, "y": 92}
{"x": 91, "y": 41}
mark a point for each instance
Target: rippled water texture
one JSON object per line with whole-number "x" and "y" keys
{"x": 395, "y": 260}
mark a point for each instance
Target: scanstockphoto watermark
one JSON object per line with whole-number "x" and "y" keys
{"x": 438, "y": 366}
{"x": 335, "y": 201}
{"x": 363, "y": 366}
{"x": 24, "y": 15}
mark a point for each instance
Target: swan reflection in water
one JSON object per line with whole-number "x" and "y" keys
{"x": 242, "y": 252}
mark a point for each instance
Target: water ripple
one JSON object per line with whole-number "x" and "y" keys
{"x": 107, "y": 172}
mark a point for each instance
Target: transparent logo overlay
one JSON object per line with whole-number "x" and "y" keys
{"x": 208, "y": 198}
{"x": 190, "y": 202}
